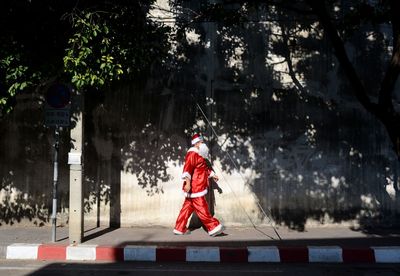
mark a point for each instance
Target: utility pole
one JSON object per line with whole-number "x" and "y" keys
{"x": 75, "y": 157}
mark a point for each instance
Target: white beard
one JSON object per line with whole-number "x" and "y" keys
{"x": 203, "y": 150}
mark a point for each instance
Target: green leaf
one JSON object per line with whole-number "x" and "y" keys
{"x": 23, "y": 85}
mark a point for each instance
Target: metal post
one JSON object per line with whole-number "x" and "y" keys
{"x": 55, "y": 181}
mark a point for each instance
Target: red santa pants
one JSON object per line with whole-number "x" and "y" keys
{"x": 200, "y": 206}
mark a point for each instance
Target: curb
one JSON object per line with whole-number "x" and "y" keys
{"x": 251, "y": 254}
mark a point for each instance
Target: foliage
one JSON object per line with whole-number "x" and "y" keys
{"x": 88, "y": 44}
{"x": 31, "y": 36}
{"x": 106, "y": 46}
{"x": 15, "y": 77}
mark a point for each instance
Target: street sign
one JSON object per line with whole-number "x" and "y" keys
{"x": 57, "y": 109}
{"x": 57, "y": 114}
{"x": 58, "y": 96}
{"x": 57, "y": 117}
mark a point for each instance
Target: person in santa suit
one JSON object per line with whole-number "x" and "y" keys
{"x": 195, "y": 186}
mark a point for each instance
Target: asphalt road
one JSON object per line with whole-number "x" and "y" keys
{"x": 17, "y": 268}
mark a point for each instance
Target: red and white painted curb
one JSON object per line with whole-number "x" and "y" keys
{"x": 251, "y": 254}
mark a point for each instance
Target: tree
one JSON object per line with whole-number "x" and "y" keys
{"x": 382, "y": 108}
{"x": 338, "y": 21}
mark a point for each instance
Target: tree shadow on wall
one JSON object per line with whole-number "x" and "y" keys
{"x": 26, "y": 171}
{"x": 334, "y": 179}
{"x": 125, "y": 134}
{"x": 317, "y": 155}
{"x": 16, "y": 207}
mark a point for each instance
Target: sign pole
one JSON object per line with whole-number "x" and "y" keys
{"x": 57, "y": 115}
{"x": 55, "y": 181}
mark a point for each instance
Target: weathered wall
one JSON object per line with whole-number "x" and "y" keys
{"x": 302, "y": 146}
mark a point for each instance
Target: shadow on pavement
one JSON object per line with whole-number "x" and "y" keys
{"x": 229, "y": 269}
{"x": 98, "y": 233}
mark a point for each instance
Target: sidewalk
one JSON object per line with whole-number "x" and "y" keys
{"x": 336, "y": 244}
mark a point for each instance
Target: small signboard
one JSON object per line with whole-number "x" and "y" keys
{"x": 57, "y": 117}
{"x": 57, "y": 110}
{"x": 74, "y": 158}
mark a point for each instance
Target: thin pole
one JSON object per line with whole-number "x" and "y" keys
{"x": 55, "y": 181}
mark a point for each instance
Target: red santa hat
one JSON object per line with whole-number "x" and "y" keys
{"x": 196, "y": 138}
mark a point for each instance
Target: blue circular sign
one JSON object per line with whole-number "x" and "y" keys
{"x": 58, "y": 96}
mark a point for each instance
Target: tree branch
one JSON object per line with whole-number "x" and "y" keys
{"x": 289, "y": 62}
{"x": 320, "y": 10}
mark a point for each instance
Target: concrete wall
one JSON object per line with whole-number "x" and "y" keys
{"x": 295, "y": 143}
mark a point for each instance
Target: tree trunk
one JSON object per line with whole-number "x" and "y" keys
{"x": 383, "y": 110}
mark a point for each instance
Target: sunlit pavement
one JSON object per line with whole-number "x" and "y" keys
{"x": 237, "y": 245}
{"x": 236, "y": 236}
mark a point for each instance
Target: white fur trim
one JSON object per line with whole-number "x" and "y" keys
{"x": 198, "y": 139}
{"x": 212, "y": 174}
{"x": 196, "y": 150}
{"x": 194, "y": 195}
{"x": 217, "y": 229}
{"x": 186, "y": 174}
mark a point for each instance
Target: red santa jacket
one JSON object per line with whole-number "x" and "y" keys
{"x": 198, "y": 172}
